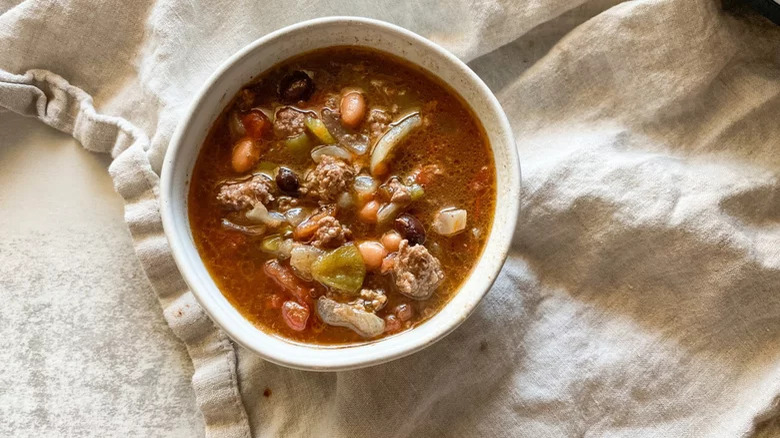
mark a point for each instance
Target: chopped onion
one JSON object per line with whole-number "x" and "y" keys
{"x": 301, "y": 259}
{"x": 365, "y": 184}
{"x": 297, "y": 215}
{"x": 332, "y": 150}
{"x": 388, "y": 212}
{"x": 260, "y": 214}
{"x": 345, "y": 200}
{"x": 252, "y": 230}
{"x": 392, "y": 138}
{"x": 450, "y": 221}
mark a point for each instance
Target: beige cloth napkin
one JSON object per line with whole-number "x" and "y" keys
{"x": 641, "y": 294}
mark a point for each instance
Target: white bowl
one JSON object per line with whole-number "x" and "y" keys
{"x": 247, "y": 64}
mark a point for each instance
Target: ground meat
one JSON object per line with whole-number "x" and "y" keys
{"x": 328, "y": 180}
{"x": 398, "y": 192}
{"x": 245, "y": 194}
{"x": 285, "y": 203}
{"x": 330, "y": 233}
{"x": 371, "y": 300}
{"x": 378, "y": 120}
{"x": 289, "y": 122}
{"x": 416, "y": 272}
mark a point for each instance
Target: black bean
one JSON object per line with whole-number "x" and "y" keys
{"x": 287, "y": 181}
{"x": 410, "y": 228}
{"x": 295, "y": 87}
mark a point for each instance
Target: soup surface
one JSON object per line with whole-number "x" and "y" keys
{"x": 342, "y": 196}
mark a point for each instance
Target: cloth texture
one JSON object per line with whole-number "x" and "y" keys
{"x": 640, "y": 297}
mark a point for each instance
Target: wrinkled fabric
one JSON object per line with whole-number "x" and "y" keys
{"x": 640, "y": 297}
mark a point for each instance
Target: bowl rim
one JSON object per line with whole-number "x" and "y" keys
{"x": 347, "y": 362}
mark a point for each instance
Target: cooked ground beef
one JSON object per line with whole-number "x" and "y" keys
{"x": 399, "y": 193}
{"x": 416, "y": 272}
{"x": 330, "y": 233}
{"x": 285, "y": 203}
{"x": 378, "y": 120}
{"x": 289, "y": 122}
{"x": 328, "y": 180}
{"x": 245, "y": 194}
{"x": 371, "y": 300}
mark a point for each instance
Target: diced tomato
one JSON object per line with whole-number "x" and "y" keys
{"x": 286, "y": 279}
{"x": 295, "y": 315}
{"x": 256, "y": 124}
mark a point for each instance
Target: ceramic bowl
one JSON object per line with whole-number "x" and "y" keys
{"x": 250, "y": 62}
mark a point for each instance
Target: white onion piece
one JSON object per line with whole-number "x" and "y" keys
{"x": 301, "y": 259}
{"x": 332, "y": 150}
{"x": 388, "y": 212}
{"x": 297, "y": 215}
{"x": 364, "y": 323}
{"x": 365, "y": 184}
{"x": 252, "y": 230}
{"x": 260, "y": 214}
{"x": 345, "y": 201}
{"x": 285, "y": 249}
{"x": 392, "y": 138}
{"x": 450, "y": 221}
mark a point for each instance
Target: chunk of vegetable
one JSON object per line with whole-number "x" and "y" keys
{"x": 295, "y": 315}
{"x": 300, "y": 145}
{"x": 277, "y": 246}
{"x": 450, "y": 221}
{"x": 341, "y": 269}
{"x": 316, "y": 127}
{"x": 345, "y": 201}
{"x": 297, "y": 215}
{"x": 302, "y": 257}
{"x": 353, "y": 109}
{"x": 284, "y": 278}
{"x": 388, "y": 212}
{"x": 373, "y": 253}
{"x": 252, "y": 230}
{"x": 260, "y": 214}
{"x": 332, "y": 150}
{"x": 355, "y": 142}
{"x": 246, "y": 153}
{"x": 416, "y": 191}
{"x": 392, "y": 138}
{"x": 364, "y": 323}
{"x": 365, "y": 187}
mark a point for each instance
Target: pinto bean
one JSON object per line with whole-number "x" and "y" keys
{"x": 246, "y": 153}
{"x": 353, "y": 109}
{"x": 373, "y": 253}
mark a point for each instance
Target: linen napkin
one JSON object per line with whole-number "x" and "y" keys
{"x": 641, "y": 294}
